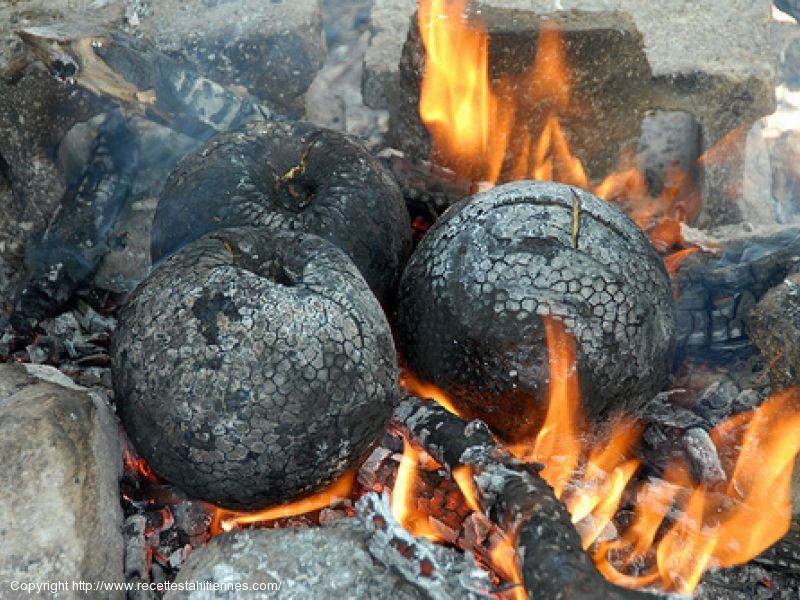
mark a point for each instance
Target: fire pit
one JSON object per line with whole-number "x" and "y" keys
{"x": 422, "y": 298}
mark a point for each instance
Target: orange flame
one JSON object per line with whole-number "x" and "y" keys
{"x": 226, "y": 520}
{"x": 423, "y": 389}
{"x": 718, "y": 526}
{"x": 505, "y": 562}
{"x": 556, "y": 444}
{"x": 455, "y": 100}
{"x": 473, "y": 121}
{"x": 404, "y": 506}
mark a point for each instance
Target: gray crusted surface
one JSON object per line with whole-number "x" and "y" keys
{"x": 293, "y": 176}
{"x": 319, "y": 562}
{"x": 472, "y": 298}
{"x": 254, "y": 366}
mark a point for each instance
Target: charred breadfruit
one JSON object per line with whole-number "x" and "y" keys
{"x": 254, "y": 366}
{"x": 293, "y": 176}
{"x": 474, "y": 294}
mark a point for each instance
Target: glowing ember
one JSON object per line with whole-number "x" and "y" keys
{"x": 473, "y": 121}
{"x": 226, "y": 520}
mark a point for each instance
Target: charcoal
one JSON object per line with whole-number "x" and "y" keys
{"x": 474, "y": 293}
{"x": 137, "y": 565}
{"x": 440, "y": 572}
{"x": 295, "y": 176}
{"x": 703, "y": 458}
{"x": 194, "y": 519}
{"x": 127, "y": 259}
{"x": 663, "y": 411}
{"x": 774, "y": 327}
{"x": 254, "y": 366}
{"x": 35, "y": 113}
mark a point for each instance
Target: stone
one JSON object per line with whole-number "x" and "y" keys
{"x": 390, "y": 23}
{"x": 736, "y": 180}
{"x": 785, "y": 161}
{"x": 710, "y": 59}
{"x": 61, "y": 453}
{"x": 774, "y": 327}
{"x": 292, "y": 563}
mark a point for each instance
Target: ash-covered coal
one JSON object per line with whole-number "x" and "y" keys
{"x": 254, "y": 366}
{"x": 293, "y": 176}
{"x": 474, "y": 294}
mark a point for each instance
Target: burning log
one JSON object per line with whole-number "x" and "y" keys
{"x": 295, "y": 176}
{"x": 253, "y": 367}
{"x": 516, "y": 499}
{"x": 474, "y": 294}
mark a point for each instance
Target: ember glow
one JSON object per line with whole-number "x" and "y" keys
{"x": 227, "y": 520}
{"x": 473, "y": 120}
{"x": 679, "y": 528}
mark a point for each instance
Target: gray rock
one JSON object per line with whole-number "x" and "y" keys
{"x": 322, "y": 562}
{"x": 60, "y": 510}
{"x": 390, "y": 24}
{"x": 710, "y": 59}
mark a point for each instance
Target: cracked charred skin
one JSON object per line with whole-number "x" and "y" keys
{"x": 254, "y": 366}
{"x": 293, "y": 176}
{"x": 473, "y": 296}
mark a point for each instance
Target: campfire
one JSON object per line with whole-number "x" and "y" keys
{"x": 476, "y": 299}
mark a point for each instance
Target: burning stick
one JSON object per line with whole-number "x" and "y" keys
{"x": 514, "y": 497}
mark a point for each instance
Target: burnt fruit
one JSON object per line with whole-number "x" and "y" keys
{"x": 253, "y": 367}
{"x": 295, "y": 176}
{"x": 475, "y": 292}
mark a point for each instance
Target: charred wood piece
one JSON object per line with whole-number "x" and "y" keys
{"x": 515, "y": 498}
{"x": 77, "y": 237}
{"x": 119, "y": 67}
{"x": 717, "y": 292}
